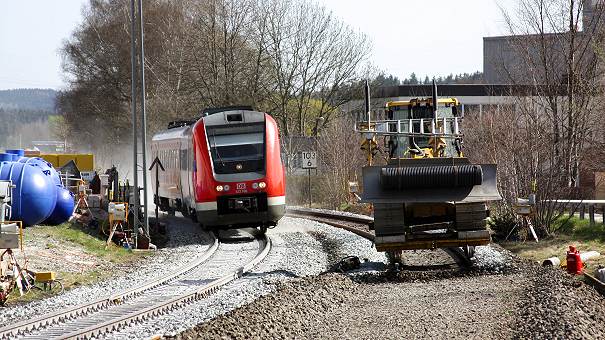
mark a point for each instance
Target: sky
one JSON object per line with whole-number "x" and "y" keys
{"x": 31, "y": 33}
{"x": 428, "y": 37}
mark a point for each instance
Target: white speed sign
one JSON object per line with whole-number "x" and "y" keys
{"x": 309, "y": 160}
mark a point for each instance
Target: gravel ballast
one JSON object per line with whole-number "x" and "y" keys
{"x": 503, "y": 298}
{"x": 299, "y": 250}
{"x": 556, "y": 305}
{"x": 290, "y": 295}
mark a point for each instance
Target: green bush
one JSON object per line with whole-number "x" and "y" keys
{"x": 581, "y": 229}
{"x": 503, "y": 222}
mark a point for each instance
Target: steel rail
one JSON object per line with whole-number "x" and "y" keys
{"x": 334, "y": 218}
{"x": 174, "y": 303}
{"x": 19, "y": 328}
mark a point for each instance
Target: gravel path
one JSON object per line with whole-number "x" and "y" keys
{"x": 503, "y": 298}
{"x": 186, "y": 241}
{"x": 557, "y": 306}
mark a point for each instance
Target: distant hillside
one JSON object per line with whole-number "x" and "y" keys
{"x": 28, "y": 100}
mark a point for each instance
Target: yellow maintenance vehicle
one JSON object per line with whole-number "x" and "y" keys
{"x": 428, "y": 195}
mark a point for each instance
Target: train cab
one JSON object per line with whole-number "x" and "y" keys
{"x": 224, "y": 169}
{"x": 239, "y": 176}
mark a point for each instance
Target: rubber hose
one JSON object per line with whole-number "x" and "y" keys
{"x": 448, "y": 176}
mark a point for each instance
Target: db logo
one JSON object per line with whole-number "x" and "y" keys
{"x": 240, "y": 186}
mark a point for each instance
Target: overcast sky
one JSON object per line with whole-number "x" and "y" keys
{"x": 428, "y": 37}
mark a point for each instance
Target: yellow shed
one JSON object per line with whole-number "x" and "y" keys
{"x": 84, "y": 162}
{"x": 52, "y": 158}
{"x": 65, "y": 158}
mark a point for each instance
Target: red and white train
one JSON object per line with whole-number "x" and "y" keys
{"x": 223, "y": 170}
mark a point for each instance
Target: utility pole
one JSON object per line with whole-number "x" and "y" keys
{"x": 143, "y": 118}
{"x": 133, "y": 105}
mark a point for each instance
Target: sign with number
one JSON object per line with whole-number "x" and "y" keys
{"x": 309, "y": 160}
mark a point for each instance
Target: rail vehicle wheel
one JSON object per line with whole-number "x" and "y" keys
{"x": 193, "y": 215}
{"x": 395, "y": 258}
{"x": 209, "y": 228}
{"x": 461, "y": 255}
{"x": 469, "y": 252}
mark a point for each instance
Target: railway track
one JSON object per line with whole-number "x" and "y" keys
{"x": 356, "y": 224}
{"x": 359, "y": 224}
{"x": 219, "y": 265}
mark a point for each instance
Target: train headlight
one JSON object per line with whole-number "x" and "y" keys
{"x": 254, "y": 185}
{"x": 226, "y": 187}
{"x": 219, "y": 188}
{"x": 262, "y": 185}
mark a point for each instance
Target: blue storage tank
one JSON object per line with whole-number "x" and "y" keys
{"x": 6, "y": 157}
{"x": 46, "y": 167}
{"x": 19, "y": 152}
{"x": 63, "y": 209}
{"x": 34, "y": 195}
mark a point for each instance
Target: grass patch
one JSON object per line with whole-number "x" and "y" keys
{"x": 86, "y": 239}
{"x": 571, "y": 231}
{"x": 70, "y": 280}
{"x": 580, "y": 229}
{"x": 74, "y": 237}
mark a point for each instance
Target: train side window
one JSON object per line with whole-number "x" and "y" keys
{"x": 183, "y": 159}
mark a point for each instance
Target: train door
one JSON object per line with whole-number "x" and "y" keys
{"x": 184, "y": 171}
{"x": 191, "y": 169}
{"x": 181, "y": 169}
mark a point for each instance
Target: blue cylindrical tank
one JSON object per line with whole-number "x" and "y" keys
{"x": 46, "y": 167}
{"x": 63, "y": 209}
{"x": 34, "y": 196}
{"x": 19, "y": 152}
{"x": 6, "y": 157}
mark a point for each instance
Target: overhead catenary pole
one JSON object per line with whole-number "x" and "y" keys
{"x": 369, "y": 138}
{"x": 143, "y": 118}
{"x": 133, "y": 105}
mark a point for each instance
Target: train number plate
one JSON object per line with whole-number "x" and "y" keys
{"x": 240, "y": 187}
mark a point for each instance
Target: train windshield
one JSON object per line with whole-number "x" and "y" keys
{"x": 237, "y": 150}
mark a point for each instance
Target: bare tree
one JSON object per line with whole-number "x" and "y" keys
{"x": 540, "y": 142}
{"x": 341, "y": 161}
{"x": 549, "y": 51}
{"x": 520, "y": 143}
{"x": 312, "y": 56}
{"x": 290, "y": 58}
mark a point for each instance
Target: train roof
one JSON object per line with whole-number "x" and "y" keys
{"x": 172, "y": 133}
{"x": 212, "y": 110}
{"x": 234, "y": 117}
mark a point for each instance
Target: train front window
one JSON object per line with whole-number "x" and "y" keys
{"x": 232, "y": 153}
{"x": 236, "y": 151}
